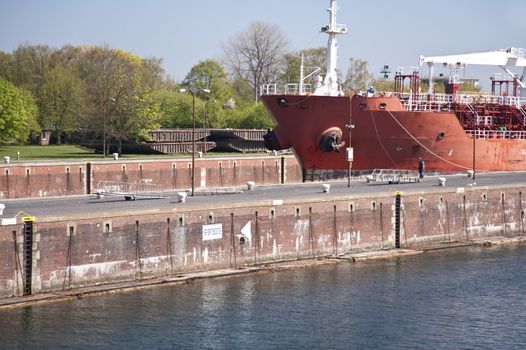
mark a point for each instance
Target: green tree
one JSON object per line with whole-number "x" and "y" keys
{"x": 210, "y": 74}
{"x": 290, "y": 71}
{"x": 61, "y": 98}
{"x": 256, "y": 117}
{"x": 51, "y": 76}
{"x": 5, "y": 64}
{"x": 211, "y": 107}
{"x": 175, "y": 109}
{"x": 313, "y": 59}
{"x": 381, "y": 84}
{"x": 153, "y": 73}
{"x": 17, "y": 113}
{"x": 68, "y": 56}
{"x": 122, "y": 104}
{"x": 358, "y": 76}
{"x": 29, "y": 63}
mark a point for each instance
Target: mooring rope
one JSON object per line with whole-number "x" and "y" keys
{"x": 421, "y": 144}
{"x": 380, "y": 140}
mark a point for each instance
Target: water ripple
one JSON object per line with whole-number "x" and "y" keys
{"x": 461, "y": 299}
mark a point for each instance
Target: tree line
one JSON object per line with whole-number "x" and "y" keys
{"x": 112, "y": 96}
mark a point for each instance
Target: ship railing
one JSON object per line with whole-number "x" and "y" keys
{"x": 497, "y": 134}
{"x": 438, "y": 102}
{"x": 285, "y": 89}
{"x": 268, "y": 89}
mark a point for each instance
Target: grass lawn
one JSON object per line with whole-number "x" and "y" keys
{"x": 72, "y": 152}
{"x": 55, "y": 152}
{"x": 52, "y": 152}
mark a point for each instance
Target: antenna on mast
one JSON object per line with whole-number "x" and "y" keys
{"x": 330, "y": 84}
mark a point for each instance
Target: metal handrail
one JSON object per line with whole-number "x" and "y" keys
{"x": 497, "y": 134}
{"x": 133, "y": 190}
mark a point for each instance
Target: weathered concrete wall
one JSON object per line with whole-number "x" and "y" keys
{"x": 44, "y": 179}
{"x": 88, "y": 250}
{"x": 27, "y": 179}
{"x": 463, "y": 215}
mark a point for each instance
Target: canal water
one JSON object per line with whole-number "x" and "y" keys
{"x": 469, "y": 298}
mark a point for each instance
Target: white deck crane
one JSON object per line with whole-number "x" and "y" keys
{"x": 505, "y": 58}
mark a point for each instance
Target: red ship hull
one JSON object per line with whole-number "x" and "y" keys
{"x": 385, "y": 135}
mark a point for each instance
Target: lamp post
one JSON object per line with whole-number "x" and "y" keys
{"x": 474, "y": 137}
{"x": 105, "y": 111}
{"x": 104, "y": 132}
{"x": 193, "y": 92}
{"x": 350, "y": 152}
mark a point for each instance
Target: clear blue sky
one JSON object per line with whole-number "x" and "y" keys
{"x": 393, "y": 32}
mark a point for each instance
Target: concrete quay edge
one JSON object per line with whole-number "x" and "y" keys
{"x": 263, "y": 267}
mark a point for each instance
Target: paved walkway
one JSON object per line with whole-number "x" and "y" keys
{"x": 89, "y": 205}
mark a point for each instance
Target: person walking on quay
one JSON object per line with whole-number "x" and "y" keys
{"x": 421, "y": 167}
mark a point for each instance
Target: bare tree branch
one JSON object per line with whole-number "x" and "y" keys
{"x": 255, "y": 55}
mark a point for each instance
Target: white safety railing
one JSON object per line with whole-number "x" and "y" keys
{"x": 423, "y": 102}
{"x": 415, "y": 99}
{"x": 130, "y": 190}
{"x": 497, "y": 134}
{"x": 392, "y": 176}
{"x": 285, "y": 89}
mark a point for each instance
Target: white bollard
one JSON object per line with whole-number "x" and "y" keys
{"x": 326, "y": 188}
{"x": 199, "y": 154}
{"x": 181, "y": 196}
{"x": 115, "y": 156}
{"x": 2, "y": 207}
{"x": 7, "y": 159}
{"x": 441, "y": 181}
{"x": 250, "y": 185}
{"x": 470, "y": 173}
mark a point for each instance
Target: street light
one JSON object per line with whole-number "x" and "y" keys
{"x": 350, "y": 152}
{"x": 193, "y": 92}
{"x": 105, "y": 110}
{"x": 474, "y": 137}
{"x": 104, "y": 132}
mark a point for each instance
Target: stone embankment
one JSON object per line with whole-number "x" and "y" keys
{"x": 60, "y": 256}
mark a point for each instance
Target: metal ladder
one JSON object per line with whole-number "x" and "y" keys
{"x": 473, "y": 112}
{"x": 523, "y": 114}
{"x": 28, "y": 256}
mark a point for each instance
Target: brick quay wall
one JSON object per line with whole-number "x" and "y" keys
{"x": 47, "y": 179}
{"x": 61, "y": 253}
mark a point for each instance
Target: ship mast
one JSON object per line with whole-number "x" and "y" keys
{"x": 330, "y": 84}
